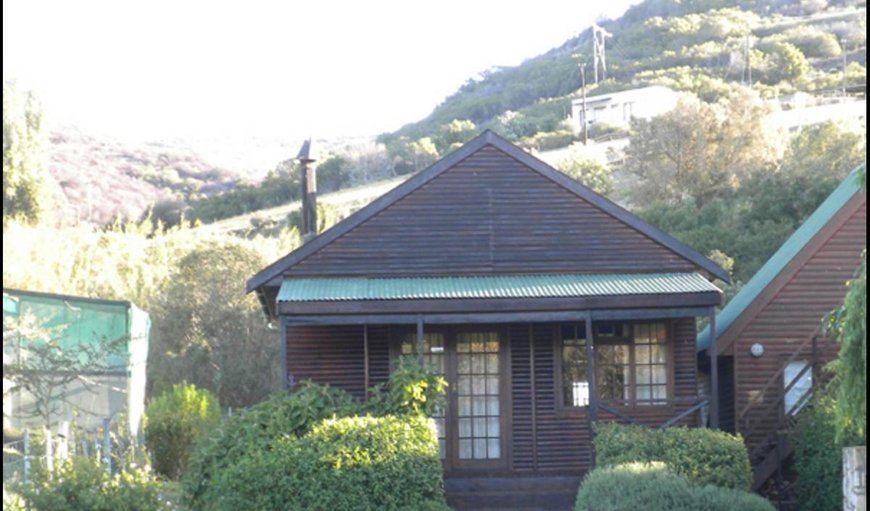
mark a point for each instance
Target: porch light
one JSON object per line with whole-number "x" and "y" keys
{"x": 756, "y": 350}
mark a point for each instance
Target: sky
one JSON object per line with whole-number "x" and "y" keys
{"x": 192, "y": 69}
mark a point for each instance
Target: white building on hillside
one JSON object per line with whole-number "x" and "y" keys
{"x": 617, "y": 109}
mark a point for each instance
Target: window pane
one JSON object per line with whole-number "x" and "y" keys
{"x": 479, "y": 427}
{"x": 659, "y": 392}
{"x": 493, "y": 448}
{"x": 643, "y": 393}
{"x": 464, "y": 364}
{"x": 794, "y": 398}
{"x": 659, "y": 374}
{"x": 492, "y": 406}
{"x": 464, "y": 385}
{"x": 492, "y": 385}
{"x": 478, "y": 405}
{"x": 465, "y": 406}
{"x": 492, "y": 363}
{"x": 643, "y": 375}
{"x": 642, "y": 354}
{"x": 464, "y": 428}
{"x": 492, "y": 427}
{"x": 477, "y": 366}
{"x": 479, "y": 448}
{"x": 659, "y": 354}
{"x": 465, "y": 449}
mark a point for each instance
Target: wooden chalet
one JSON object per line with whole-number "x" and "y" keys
{"x": 770, "y": 347}
{"x": 546, "y": 306}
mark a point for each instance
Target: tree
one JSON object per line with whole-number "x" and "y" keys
{"x": 23, "y": 141}
{"x": 209, "y": 332}
{"x": 700, "y": 151}
{"x": 42, "y": 365}
{"x": 453, "y": 134}
{"x": 849, "y": 324}
{"x": 589, "y": 173}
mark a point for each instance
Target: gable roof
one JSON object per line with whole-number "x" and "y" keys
{"x": 272, "y": 274}
{"x": 778, "y": 261}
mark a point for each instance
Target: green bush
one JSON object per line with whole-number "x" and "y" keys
{"x": 175, "y": 421}
{"x": 701, "y": 455}
{"x": 653, "y": 486}
{"x": 255, "y": 434}
{"x": 818, "y": 457}
{"x": 82, "y": 484}
{"x": 257, "y": 429}
{"x": 411, "y": 390}
{"x": 352, "y": 463}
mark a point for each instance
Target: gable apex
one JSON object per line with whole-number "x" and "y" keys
{"x": 273, "y": 274}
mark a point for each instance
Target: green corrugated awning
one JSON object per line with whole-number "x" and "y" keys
{"x": 487, "y": 287}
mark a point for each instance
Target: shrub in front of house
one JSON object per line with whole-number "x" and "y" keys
{"x": 818, "y": 456}
{"x": 654, "y": 486}
{"x": 258, "y": 429}
{"x": 175, "y": 421}
{"x": 351, "y": 463}
{"x": 253, "y": 436}
{"x": 83, "y": 484}
{"x": 701, "y": 455}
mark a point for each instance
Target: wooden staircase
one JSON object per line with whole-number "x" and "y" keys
{"x": 771, "y": 456}
{"x": 515, "y": 493}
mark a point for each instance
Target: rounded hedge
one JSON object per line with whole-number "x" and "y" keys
{"x": 258, "y": 429}
{"x": 352, "y": 463}
{"x": 704, "y": 456}
{"x": 653, "y": 486}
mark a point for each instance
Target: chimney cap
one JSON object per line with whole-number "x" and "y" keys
{"x": 307, "y": 153}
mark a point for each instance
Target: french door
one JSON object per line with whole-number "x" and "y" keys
{"x": 471, "y": 429}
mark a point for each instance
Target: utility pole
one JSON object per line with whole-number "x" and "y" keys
{"x": 748, "y": 59}
{"x": 843, "y": 46}
{"x": 598, "y": 51}
{"x": 583, "y": 89}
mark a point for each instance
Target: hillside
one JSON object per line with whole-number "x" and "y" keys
{"x": 98, "y": 180}
{"x": 697, "y": 46}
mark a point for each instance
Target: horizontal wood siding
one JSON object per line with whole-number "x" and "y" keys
{"x": 490, "y": 214}
{"x": 726, "y": 394}
{"x": 522, "y": 433}
{"x": 791, "y": 315}
{"x": 685, "y": 360}
{"x": 328, "y": 355}
{"x": 379, "y": 354}
{"x": 563, "y": 441}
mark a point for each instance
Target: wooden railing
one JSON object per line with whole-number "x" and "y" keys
{"x": 693, "y": 406}
{"x": 774, "y": 381}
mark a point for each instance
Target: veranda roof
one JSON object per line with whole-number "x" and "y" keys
{"x": 491, "y": 287}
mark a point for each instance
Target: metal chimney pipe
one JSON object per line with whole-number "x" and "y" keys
{"x": 307, "y": 159}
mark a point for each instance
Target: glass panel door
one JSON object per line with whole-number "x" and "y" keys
{"x": 478, "y": 414}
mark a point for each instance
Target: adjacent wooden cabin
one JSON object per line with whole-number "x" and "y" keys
{"x": 770, "y": 344}
{"x": 547, "y": 307}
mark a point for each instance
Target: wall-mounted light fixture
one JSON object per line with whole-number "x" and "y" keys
{"x": 756, "y": 350}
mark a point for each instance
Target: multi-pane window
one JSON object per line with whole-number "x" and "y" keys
{"x": 650, "y": 363}
{"x": 575, "y": 384}
{"x": 478, "y": 414}
{"x": 433, "y": 357}
{"x": 631, "y": 363}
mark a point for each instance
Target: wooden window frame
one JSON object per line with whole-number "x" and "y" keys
{"x": 632, "y": 404}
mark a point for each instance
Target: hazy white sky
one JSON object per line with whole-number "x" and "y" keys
{"x": 185, "y": 68}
